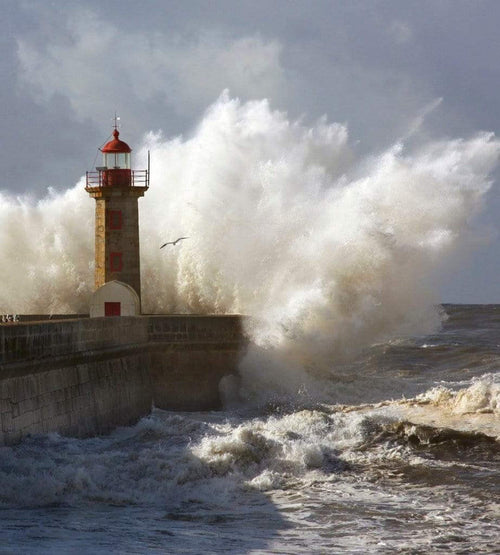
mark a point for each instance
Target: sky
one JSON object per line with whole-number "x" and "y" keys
{"x": 67, "y": 66}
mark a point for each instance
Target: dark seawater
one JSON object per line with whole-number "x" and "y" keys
{"x": 408, "y": 463}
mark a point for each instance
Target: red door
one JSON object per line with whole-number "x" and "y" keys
{"x": 112, "y": 309}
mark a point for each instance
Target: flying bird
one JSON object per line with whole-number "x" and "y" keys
{"x": 173, "y": 242}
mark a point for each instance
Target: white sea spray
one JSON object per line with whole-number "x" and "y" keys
{"x": 482, "y": 396}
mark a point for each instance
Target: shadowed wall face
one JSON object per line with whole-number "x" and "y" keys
{"x": 88, "y": 376}
{"x": 80, "y": 400}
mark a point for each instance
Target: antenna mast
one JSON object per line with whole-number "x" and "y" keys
{"x": 116, "y": 119}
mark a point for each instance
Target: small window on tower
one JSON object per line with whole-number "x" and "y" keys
{"x": 115, "y": 262}
{"x": 114, "y": 219}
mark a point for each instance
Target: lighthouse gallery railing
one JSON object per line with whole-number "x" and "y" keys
{"x": 104, "y": 178}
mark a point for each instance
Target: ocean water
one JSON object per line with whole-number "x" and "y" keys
{"x": 407, "y": 462}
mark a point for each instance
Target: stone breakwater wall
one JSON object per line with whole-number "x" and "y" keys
{"x": 87, "y": 376}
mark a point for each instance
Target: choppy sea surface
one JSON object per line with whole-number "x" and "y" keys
{"x": 408, "y": 463}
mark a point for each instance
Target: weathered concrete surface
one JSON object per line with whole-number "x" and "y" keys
{"x": 37, "y": 343}
{"x": 189, "y": 357}
{"x": 84, "y": 377}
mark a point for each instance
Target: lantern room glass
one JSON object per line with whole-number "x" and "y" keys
{"x": 117, "y": 160}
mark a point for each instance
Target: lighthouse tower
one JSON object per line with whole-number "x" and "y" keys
{"x": 116, "y": 189}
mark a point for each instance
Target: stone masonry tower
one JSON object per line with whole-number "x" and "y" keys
{"x": 116, "y": 189}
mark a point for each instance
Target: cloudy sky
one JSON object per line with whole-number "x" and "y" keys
{"x": 66, "y": 66}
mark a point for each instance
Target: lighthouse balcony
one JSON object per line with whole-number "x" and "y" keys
{"x": 118, "y": 178}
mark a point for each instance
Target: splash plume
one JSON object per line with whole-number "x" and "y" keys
{"x": 286, "y": 223}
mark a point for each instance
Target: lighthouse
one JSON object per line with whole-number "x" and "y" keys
{"x": 116, "y": 189}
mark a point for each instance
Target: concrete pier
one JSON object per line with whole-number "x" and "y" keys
{"x": 87, "y": 376}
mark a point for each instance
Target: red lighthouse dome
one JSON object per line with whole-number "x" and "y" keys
{"x": 116, "y": 145}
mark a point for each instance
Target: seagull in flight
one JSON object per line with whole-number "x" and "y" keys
{"x": 173, "y": 242}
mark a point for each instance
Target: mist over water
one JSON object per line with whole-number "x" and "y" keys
{"x": 328, "y": 251}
